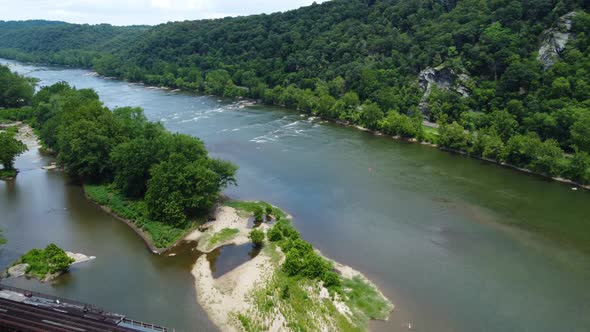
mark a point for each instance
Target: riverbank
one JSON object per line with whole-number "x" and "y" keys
{"x": 157, "y": 236}
{"x": 260, "y": 296}
{"x": 26, "y": 135}
{"x": 249, "y": 102}
{"x": 448, "y": 150}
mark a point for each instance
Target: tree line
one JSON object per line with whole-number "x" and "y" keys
{"x": 357, "y": 61}
{"x": 171, "y": 172}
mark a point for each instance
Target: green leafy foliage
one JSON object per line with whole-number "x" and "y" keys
{"x": 258, "y": 213}
{"x": 301, "y": 261}
{"x": 10, "y": 148}
{"x": 365, "y": 299}
{"x": 257, "y": 237}
{"x": 15, "y": 90}
{"x": 170, "y": 174}
{"x": 162, "y": 235}
{"x": 50, "y": 260}
{"x": 252, "y": 207}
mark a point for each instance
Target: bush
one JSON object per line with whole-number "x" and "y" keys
{"x": 331, "y": 280}
{"x": 257, "y": 237}
{"x": 52, "y": 259}
{"x": 258, "y": 213}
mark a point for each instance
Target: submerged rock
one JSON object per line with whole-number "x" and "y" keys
{"x": 18, "y": 270}
{"x": 555, "y": 40}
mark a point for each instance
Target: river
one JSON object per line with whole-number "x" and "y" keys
{"x": 432, "y": 229}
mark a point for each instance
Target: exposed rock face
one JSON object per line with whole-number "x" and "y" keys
{"x": 18, "y": 270}
{"x": 445, "y": 78}
{"x": 555, "y": 40}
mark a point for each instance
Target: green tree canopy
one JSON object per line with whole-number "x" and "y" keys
{"x": 10, "y": 148}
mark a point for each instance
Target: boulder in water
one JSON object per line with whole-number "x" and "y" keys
{"x": 18, "y": 270}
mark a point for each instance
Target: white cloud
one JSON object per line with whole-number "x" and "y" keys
{"x": 127, "y": 12}
{"x": 162, "y": 4}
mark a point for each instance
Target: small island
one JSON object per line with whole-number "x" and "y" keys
{"x": 45, "y": 264}
{"x": 287, "y": 286}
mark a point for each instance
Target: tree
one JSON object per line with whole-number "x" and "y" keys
{"x": 503, "y": 123}
{"x": 180, "y": 188}
{"x": 560, "y": 87}
{"x": 548, "y": 159}
{"x": 10, "y": 148}
{"x": 371, "y": 114}
{"x": 15, "y": 90}
{"x": 217, "y": 81}
{"x": 131, "y": 163}
{"x": 84, "y": 147}
{"x": 489, "y": 145}
{"x": 498, "y": 42}
{"x": 257, "y": 237}
{"x": 520, "y": 149}
{"x": 57, "y": 259}
{"x": 269, "y": 211}
{"x": 580, "y": 131}
{"x": 258, "y": 213}
{"x": 579, "y": 168}
{"x": 453, "y": 136}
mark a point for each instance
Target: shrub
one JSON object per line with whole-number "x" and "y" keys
{"x": 269, "y": 211}
{"x": 257, "y": 237}
{"x": 258, "y": 213}
{"x": 331, "y": 280}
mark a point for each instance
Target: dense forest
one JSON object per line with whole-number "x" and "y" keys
{"x": 162, "y": 181}
{"x": 359, "y": 61}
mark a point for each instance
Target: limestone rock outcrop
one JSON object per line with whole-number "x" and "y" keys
{"x": 555, "y": 40}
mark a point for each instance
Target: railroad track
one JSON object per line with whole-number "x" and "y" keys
{"x": 16, "y": 316}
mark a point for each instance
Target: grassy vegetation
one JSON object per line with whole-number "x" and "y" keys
{"x": 249, "y": 325}
{"x": 162, "y": 235}
{"x": 252, "y": 207}
{"x": 295, "y": 286}
{"x": 16, "y": 114}
{"x": 7, "y": 173}
{"x": 50, "y": 260}
{"x": 303, "y": 310}
{"x": 224, "y": 235}
{"x": 430, "y": 134}
{"x": 365, "y": 300}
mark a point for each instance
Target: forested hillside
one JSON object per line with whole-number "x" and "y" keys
{"x": 63, "y": 43}
{"x": 512, "y": 77}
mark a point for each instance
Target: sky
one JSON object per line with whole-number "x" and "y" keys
{"x": 130, "y": 12}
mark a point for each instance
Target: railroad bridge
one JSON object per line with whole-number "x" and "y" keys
{"x": 26, "y": 311}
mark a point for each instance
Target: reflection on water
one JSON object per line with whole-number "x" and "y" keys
{"x": 225, "y": 259}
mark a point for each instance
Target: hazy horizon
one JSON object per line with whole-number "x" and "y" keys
{"x": 139, "y": 12}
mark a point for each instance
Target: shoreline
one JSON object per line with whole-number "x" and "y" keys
{"x": 463, "y": 153}
{"x": 143, "y": 235}
{"x": 252, "y": 102}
